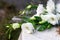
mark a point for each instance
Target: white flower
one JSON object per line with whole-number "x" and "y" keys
{"x": 15, "y": 25}
{"x": 51, "y": 18}
{"x": 58, "y": 7}
{"x": 58, "y": 16}
{"x": 27, "y": 27}
{"x": 40, "y": 9}
{"x": 50, "y": 6}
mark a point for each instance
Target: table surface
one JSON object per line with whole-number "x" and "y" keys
{"x": 50, "y": 34}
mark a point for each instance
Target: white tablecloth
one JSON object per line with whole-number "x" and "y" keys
{"x": 50, "y": 34}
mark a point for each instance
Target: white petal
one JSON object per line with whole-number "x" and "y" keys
{"x": 58, "y": 7}
{"x": 50, "y": 6}
{"x": 51, "y": 18}
{"x": 40, "y": 9}
{"x": 27, "y": 27}
{"x": 44, "y": 17}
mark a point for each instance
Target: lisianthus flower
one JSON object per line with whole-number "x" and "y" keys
{"x": 15, "y": 25}
{"x": 27, "y": 27}
{"x": 50, "y": 6}
{"x": 58, "y": 7}
{"x": 51, "y": 18}
{"x": 40, "y": 9}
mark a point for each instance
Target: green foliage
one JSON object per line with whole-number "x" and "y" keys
{"x": 38, "y": 23}
{"x": 44, "y": 26}
{"x": 11, "y": 27}
{"x": 35, "y": 21}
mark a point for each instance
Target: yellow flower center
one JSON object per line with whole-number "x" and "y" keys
{"x": 52, "y": 18}
{"x": 27, "y": 28}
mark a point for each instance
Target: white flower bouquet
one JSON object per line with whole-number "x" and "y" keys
{"x": 43, "y": 18}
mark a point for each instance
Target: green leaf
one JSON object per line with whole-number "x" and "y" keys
{"x": 49, "y": 26}
{"x": 41, "y": 28}
{"x": 9, "y": 36}
{"x": 44, "y": 26}
{"x": 38, "y": 18}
